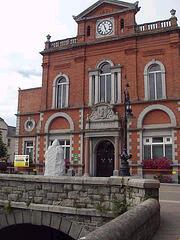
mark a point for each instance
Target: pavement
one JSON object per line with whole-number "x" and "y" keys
{"x": 170, "y": 213}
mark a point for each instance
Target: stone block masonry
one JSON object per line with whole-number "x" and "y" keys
{"x": 88, "y": 201}
{"x": 139, "y": 223}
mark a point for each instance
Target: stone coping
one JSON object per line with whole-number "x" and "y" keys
{"x": 57, "y": 209}
{"x": 141, "y": 223}
{"x": 119, "y": 181}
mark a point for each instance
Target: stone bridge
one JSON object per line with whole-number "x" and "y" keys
{"x": 78, "y": 206}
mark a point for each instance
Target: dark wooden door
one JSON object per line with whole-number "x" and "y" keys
{"x": 105, "y": 159}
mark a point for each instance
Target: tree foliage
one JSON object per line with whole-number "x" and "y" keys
{"x": 3, "y": 148}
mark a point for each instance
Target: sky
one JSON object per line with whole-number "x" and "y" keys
{"x": 24, "y": 25}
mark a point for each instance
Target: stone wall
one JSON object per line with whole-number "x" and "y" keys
{"x": 140, "y": 223}
{"x": 88, "y": 201}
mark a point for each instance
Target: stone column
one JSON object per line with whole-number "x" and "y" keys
{"x": 116, "y": 158}
{"x": 86, "y": 167}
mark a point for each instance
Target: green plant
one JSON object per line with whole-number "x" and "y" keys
{"x": 3, "y": 148}
{"x": 8, "y": 207}
{"x": 119, "y": 206}
{"x": 100, "y": 207}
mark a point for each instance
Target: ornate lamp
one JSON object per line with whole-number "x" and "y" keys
{"x": 124, "y": 169}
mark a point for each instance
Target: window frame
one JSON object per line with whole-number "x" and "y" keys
{"x": 25, "y": 148}
{"x": 95, "y": 81}
{"x": 164, "y": 143}
{"x": 55, "y": 91}
{"x": 147, "y": 82}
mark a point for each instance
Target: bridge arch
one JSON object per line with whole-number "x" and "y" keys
{"x": 36, "y": 218}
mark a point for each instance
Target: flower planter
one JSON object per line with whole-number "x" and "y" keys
{"x": 163, "y": 175}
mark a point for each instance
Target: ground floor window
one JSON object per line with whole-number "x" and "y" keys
{"x": 65, "y": 143}
{"x": 29, "y": 150}
{"x": 157, "y": 147}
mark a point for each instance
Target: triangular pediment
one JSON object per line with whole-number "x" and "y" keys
{"x": 105, "y": 7}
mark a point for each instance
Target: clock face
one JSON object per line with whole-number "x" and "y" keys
{"x": 105, "y": 27}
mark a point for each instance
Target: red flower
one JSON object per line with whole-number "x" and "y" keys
{"x": 158, "y": 163}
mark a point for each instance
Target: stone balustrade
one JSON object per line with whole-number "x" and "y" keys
{"x": 154, "y": 26}
{"x": 60, "y": 43}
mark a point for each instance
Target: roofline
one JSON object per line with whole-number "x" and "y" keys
{"x": 130, "y": 6}
{"x": 28, "y": 89}
{"x": 115, "y": 38}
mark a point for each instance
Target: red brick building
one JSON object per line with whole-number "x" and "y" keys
{"x": 81, "y": 98}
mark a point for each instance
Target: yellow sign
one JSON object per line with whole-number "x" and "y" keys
{"x": 21, "y": 161}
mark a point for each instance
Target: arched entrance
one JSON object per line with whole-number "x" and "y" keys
{"x": 105, "y": 159}
{"x": 29, "y": 232}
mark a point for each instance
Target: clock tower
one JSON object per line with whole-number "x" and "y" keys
{"x": 105, "y": 19}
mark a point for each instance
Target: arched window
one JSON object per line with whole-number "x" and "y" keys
{"x": 88, "y": 31}
{"x": 154, "y": 81}
{"x": 61, "y": 92}
{"x": 105, "y": 83}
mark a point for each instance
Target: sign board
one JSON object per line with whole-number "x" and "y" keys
{"x": 21, "y": 161}
{"x": 75, "y": 157}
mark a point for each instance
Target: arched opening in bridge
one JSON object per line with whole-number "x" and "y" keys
{"x": 30, "y": 232}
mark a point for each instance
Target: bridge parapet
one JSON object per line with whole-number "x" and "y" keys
{"x": 87, "y": 201}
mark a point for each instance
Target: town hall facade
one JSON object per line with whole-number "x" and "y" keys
{"x": 81, "y": 101}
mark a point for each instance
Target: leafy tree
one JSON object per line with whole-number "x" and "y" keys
{"x": 3, "y": 148}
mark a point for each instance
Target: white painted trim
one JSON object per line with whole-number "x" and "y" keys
{"x": 103, "y": 61}
{"x": 95, "y": 73}
{"x": 156, "y": 107}
{"x": 33, "y": 139}
{"x": 90, "y": 90}
{"x": 56, "y": 115}
{"x": 157, "y": 126}
{"x": 54, "y": 89}
{"x": 146, "y": 84}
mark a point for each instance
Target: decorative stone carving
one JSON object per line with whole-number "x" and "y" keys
{"x": 102, "y": 112}
{"x": 102, "y": 117}
{"x": 54, "y": 160}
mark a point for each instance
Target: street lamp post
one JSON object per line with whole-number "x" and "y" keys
{"x": 124, "y": 169}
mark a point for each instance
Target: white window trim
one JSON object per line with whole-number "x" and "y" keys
{"x": 33, "y": 124}
{"x": 95, "y": 73}
{"x": 152, "y": 130}
{"x": 34, "y": 146}
{"x": 54, "y": 98}
{"x": 164, "y": 143}
{"x": 52, "y": 137}
{"x": 146, "y": 81}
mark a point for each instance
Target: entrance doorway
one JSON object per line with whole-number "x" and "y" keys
{"x": 105, "y": 159}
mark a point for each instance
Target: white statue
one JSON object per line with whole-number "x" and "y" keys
{"x": 54, "y": 160}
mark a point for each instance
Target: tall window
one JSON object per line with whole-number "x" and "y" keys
{"x": 154, "y": 76}
{"x": 105, "y": 84}
{"x": 61, "y": 92}
{"x": 156, "y": 147}
{"x": 29, "y": 149}
{"x": 155, "y": 82}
